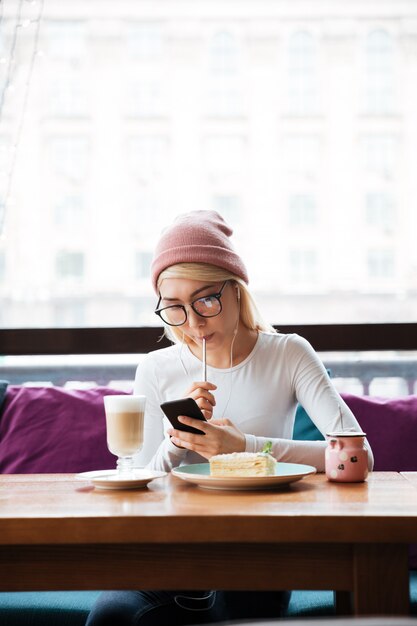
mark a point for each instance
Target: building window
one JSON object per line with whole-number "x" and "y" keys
{"x": 145, "y": 205}
{"x": 65, "y": 39}
{"x": 144, "y": 40}
{"x": 2, "y": 209}
{"x": 68, "y": 96}
{"x": 379, "y": 86}
{"x": 145, "y": 98}
{"x": 302, "y": 155}
{"x": 69, "y": 265}
{"x": 303, "y": 266}
{"x": 381, "y": 264}
{"x": 147, "y": 156}
{"x": 69, "y": 211}
{"x": 302, "y": 74}
{"x": 142, "y": 311}
{"x": 69, "y": 156}
{"x": 225, "y": 101}
{"x": 143, "y": 262}
{"x": 224, "y": 53}
{"x": 380, "y": 210}
{"x": 379, "y": 154}
{"x": 229, "y": 207}
{"x": 69, "y": 314}
{"x": 225, "y": 154}
{"x": 302, "y": 210}
{"x": 2, "y": 266}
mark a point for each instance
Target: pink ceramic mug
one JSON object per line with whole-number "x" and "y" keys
{"x": 346, "y": 458}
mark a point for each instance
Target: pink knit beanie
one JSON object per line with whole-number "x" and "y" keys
{"x": 197, "y": 237}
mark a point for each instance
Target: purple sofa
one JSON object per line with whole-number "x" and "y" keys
{"x": 54, "y": 430}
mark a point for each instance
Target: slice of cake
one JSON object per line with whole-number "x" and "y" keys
{"x": 242, "y": 464}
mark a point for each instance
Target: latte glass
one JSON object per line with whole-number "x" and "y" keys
{"x": 124, "y": 422}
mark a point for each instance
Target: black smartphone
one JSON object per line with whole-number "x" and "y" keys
{"x": 184, "y": 406}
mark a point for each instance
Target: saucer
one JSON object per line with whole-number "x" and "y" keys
{"x": 110, "y": 479}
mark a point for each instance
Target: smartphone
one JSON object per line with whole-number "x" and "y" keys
{"x": 184, "y": 406}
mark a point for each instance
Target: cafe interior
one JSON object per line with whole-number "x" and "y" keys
{"x": 296, "y": 122}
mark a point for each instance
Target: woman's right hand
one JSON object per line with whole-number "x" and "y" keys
{"x": 201, "y": 392}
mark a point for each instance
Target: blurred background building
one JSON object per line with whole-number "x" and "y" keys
{"x": 297, "y": 121}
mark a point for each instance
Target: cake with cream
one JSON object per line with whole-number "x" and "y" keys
{"x": 242, "y": 464}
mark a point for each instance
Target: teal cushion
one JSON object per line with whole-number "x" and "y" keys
{"x": 70, "y": 608}
{"x": 46, "y": 608}
{"x": 3, "y": 388}
{"x": 310, "y": 603}
{"x": 317, "y": 603}
{"x": 304, "y": 428}
{"x": 413, "y": 591}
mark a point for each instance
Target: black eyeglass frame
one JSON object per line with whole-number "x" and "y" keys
{"x": 217, "y": 295}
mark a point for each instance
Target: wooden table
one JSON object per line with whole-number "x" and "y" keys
{"x": 60, "y": 533}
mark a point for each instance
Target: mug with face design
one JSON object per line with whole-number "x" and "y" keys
{"x": 346, "y": 457}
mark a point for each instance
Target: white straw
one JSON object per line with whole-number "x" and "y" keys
{"x": 341, "y": 417}
{"x": 204, "y": 361}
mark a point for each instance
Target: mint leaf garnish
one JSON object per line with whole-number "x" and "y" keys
{"x": 267, "y": 449}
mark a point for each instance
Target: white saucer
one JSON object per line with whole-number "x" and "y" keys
{"x": 110, "y": 479}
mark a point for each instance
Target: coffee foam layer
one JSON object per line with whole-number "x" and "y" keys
{"x": 125, "y": 404}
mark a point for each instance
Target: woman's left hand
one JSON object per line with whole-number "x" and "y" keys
{"x": 221, "y": 437}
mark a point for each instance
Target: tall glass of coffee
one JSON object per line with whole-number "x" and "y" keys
{"x": 124, "y": 422}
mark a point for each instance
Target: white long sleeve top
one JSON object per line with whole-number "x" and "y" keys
{"x": 259, "y": 395}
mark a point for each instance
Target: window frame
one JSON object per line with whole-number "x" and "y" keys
{"x": 140, "y": 340}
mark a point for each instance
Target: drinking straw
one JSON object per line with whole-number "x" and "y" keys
{"x": 204, "y": 361}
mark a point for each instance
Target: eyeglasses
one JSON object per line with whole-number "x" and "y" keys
{"x": 207, "y": 306}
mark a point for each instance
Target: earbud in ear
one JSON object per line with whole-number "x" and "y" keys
{"x": 238, "y": 293}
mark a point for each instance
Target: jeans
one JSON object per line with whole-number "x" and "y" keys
{"x": 183, "y": 608}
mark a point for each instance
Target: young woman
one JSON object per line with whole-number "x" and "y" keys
{"x": 256, "y": 377}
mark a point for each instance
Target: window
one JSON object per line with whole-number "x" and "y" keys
{"x": 224, "y": 95}
{"x": 2, "y": 211}
{"x": 66, "y": 39}
{"x": 2, "y": 266}
{"x": 145, "y": 98}
{"x": 228, "y": 206}
{"x": 302, "y": 74}
{"x": 70, "y": 212}
{"x": 225, "y": 154}
{"x": 379, "y": 154}
{"x": 225, "y": 101}
{"x": 6, "y": 156}
{"x": 302, "y": 210}
{"x": 132, "y": 116}
{"x": 302, "y": 154}
{"x": 380, "y": 210}
{"x": 69, "y": 313}
{"x": 143, "y": 262}
{"x": 144, "y": 40}
{"x": 224, "y": 53}
{"x": 379, "y": 73}
{"x": 68, "y": 95}
{"x": 303, "y": 266}
{"x": 381, "y": 264}
{"x": 69, "y": 157}
{"x": 147, "y": 156}
{"x": 145, "y": 205}
{"x": 69, "y": 265}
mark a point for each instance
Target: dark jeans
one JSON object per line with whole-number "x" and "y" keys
{"x": 183, "y": 608}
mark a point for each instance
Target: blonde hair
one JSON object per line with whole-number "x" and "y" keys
{"x": 249, "y": 313}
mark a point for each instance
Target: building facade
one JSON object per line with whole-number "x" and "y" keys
{"x": 296, "y": 121}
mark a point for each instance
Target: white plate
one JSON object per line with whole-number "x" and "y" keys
{"x": 285, "y": 473}
{"x": 109, "y": 479}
